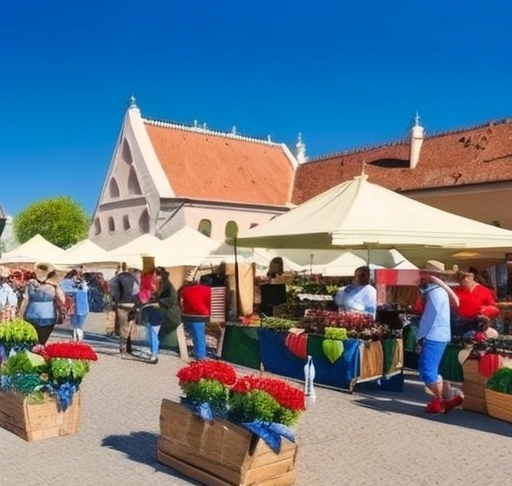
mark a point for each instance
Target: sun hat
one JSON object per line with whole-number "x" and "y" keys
{"x": 433, "y": 266}
{"x": 42, "y": 270}
{"x": 4, "y": 272}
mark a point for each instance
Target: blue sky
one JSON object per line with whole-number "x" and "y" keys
{"x": 345, "y": 74}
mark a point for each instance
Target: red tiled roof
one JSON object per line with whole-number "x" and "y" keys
{"x": 203, "y": 164}
{"x": 472, "y": 156}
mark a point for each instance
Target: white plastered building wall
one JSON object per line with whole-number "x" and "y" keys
{"x": 129, "y": 203}
{"x": 137, "y": 191}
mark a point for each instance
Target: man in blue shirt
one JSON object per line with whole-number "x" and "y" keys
{"x": 360, "y": 296}
{"x": 433, "y": 336}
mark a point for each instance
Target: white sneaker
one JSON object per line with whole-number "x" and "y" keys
{"x": 80, "y": 334}
{"x": 75, "y": 335}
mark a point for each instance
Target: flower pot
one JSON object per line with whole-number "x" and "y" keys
{"x": 499, "y": 405}
{"x": 220, "y": 453}
{"x": 32, "y": 421}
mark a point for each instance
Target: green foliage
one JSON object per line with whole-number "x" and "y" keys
{"x": 278, "y": 323}
{"x": 339, "y": 333}
{"x": 286, "y": 416}
{"x": 211, "y": 391}
{"x": 253, "y": 405}
{"x": 18, "y": 363}
{"x": 501, "y": 381}
{"x": 63, "y": 368}
{"x": 59, "y": 220}
{"x": 17, "y": 332}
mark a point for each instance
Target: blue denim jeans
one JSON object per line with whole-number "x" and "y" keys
{"x": 152, "y": 320}
{"x": 196, "y": 328}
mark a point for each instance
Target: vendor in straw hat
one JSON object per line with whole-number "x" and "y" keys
{"x": 43, "y": 300}
{"x": 434, "y": 334}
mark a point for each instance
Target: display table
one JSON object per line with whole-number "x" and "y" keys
{"x": 365, "y": 364}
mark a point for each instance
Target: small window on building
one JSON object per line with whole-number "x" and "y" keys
{"x": 114, "y": 188}
{"x": 133, "y": 182}
{"x": 111, "y": 224}
{"x": 253, "y": 225}
{"x": 231, "y": 230}
{"x": 144, "y": 221}
{"x": 205, "y": 227}
{"x": 126, "y": 222}
{"x": 126, "y": 153}
{"x": 97, "y": 226}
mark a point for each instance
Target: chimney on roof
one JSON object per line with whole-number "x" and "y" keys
{"x": 300, "y": 152}
{"x": 417, "y": 136}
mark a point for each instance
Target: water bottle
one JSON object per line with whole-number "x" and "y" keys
{"x": 309, "y": 377}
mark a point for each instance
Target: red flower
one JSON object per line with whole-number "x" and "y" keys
{"x": 479, "y": 337}
{"x": 70, "y": 350}
{"x": 207, "y": 369}
{"x": 284, "y": 394}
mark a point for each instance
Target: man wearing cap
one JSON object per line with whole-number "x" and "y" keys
{"x": 433, "y": 336}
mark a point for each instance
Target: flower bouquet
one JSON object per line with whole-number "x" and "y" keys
{"x": 38, "y": 383}
{"x": 228, "y": 428}
{"x": 266, "y": 406}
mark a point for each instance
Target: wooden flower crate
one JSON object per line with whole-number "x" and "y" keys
{"x": 34, "y": 422}
{"x": 220, "y": 453}
{"x": 473, "y": 387}
{"x": 499, "y": 405}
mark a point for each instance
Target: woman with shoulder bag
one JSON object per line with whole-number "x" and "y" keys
{"x": 43, "y": 303}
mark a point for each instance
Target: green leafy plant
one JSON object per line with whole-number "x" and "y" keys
{"x": 63, "y": 369}
{"x": 253, "y": 405}
{"x": 501, "y": 381}
{"x": 207, "y": 391}
{"x": 339, "y": 333}
{"x": 278, "y": 323}
{"x": 265, "y": 399}
{"x": 17, "y": 332}
{"x": 18, "y": 363}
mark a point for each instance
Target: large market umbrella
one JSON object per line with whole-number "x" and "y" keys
{"x": 358, "y": 214}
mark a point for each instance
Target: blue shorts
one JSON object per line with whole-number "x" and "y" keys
{"x": 430, "y": 358}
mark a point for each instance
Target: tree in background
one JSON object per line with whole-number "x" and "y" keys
{"x": 60, "y": 220}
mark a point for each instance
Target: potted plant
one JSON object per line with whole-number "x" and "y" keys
{"x": 230, "y": 428}
{"x": 498, "y": 395}
{"x": 15, "y": 335}
{"x": 39, "y": 384}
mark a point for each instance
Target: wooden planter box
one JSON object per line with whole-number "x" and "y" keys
{"x": 34, "y": 422}
{"x": 499, "y": 405}
{"x": 220, "y": 453}
{"x": 473, "y": 387}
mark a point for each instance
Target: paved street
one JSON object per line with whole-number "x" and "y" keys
{"x": 361, "y": 439}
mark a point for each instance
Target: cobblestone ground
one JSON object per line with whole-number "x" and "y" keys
{"x": 360, "y": 439}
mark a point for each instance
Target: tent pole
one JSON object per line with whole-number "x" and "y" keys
{"x": 237, "y": 278}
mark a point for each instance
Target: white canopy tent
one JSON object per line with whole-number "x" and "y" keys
{"x": 33, "y": 250}
{"x": 85, "y": 252}
{"x": 360, "y": 215}
{"x": 341, "y": 263}
{"x": 186, "y": 247}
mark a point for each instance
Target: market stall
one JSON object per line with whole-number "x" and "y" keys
{"x": 349, "y": 349}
